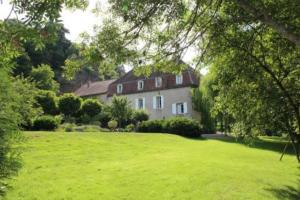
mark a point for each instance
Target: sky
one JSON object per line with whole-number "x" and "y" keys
{"x": 79, "y": 21}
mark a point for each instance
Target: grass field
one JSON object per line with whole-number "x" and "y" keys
{"x": 151, "y": 166}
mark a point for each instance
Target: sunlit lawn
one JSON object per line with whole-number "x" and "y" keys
{"x": 151, "y": 166}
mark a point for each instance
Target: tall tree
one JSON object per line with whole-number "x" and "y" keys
{"x": 256, "y": 41}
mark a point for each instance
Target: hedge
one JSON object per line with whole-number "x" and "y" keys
{"x": 47, "y": 123}
{"x": 177, "y": 125}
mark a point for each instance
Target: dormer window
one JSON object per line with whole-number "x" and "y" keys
{"x": 119, "y": 88}
{"x": 158, "y": 81}
{"x": 140, "y": 85}
{"x": 179, "y": 79}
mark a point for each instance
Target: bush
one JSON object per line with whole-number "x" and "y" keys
{"x": 47, "y": 101}
{"x": 69, "y": 104}
{"x": 104, "y": 118}
{"x": 129, "y": 128}
{"x": 91, "y": 107}
{"x": 183, "y": 126}
{"x": 68, "y": 127}
{"x": 48, "y": 123}
{"x": 112, "y": 125}
{"x": 178, "y": 125}
{"x": 139, "y": 116}
{"x": 155, "y": 126}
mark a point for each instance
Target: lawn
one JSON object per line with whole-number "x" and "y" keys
{"x": 151, "y": 166}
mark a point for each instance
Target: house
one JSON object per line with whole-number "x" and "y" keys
{"x": 163, "y": 95}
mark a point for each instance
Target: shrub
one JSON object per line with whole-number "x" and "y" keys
{"x": 112, "y": 124}
{"x": 121, "y": 110}
{"x": 183, "y": 126}
{"x": 91, "y": 107}
{"x": 47, "y": 101}
{"x": 43, "y": 76}
{"x": 150, "y": 126}
{"x": 104, "y": 118}
{"x": 139, "y": 116}
{"x": 48, "y": 123}
{"x": 129, "y": 128}
{"x": 69, "y": 104}
{"x": 68, "y": 127}
{"x": 178, "y": 125}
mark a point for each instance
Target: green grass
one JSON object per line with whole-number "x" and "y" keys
{"x": 151, "y": 166}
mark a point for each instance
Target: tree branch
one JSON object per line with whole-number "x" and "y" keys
{"x": 270, "y": 21}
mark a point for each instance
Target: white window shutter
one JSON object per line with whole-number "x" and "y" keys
{"x": 144, "y": 103}
{"x": 174, "y": 108}
{"x": 185, "y": 107}
{"x": 154, "y": 102}
{"x": 162, "y": 102}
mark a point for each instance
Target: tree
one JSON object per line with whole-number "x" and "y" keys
{"x": 91, "y": 107}
{"x": 254, "y": 42}
{"x": 69, "y": 104}
{"x": 43, "y": 76}
{"x": 121, "y": 110}
{"x": 103, "y": 53}
{"x": 13, "y": 32}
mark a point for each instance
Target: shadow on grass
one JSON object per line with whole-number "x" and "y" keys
{"x": 267, "y": 143}
{"x": 286, "y": 192}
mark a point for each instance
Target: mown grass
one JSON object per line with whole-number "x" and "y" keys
{"x": 151, "y": 166}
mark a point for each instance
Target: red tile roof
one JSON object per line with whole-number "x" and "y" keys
{"x": 94, "y": 88}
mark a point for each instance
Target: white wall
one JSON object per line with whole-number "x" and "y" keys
{"x": 170, "y": 97}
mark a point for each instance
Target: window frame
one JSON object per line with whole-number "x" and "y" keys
{"x": 179, "y": 79}
{"x": 181, "y": 104}
{"x": 119, "y": 88}
{"x": 159, "y": 102}
{"x": 143, "y": 103}
{"x": 142, "y": 84}
{"x": 156, "y": 81}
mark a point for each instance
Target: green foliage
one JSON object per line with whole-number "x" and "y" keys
{"x": 112, "y": 125}
{"x": 130, "y": 128}
{"x": 14, "y": 106}
{"x": 178, "y": 125}
{"x": 26, "y": 105}
{"x": 103, "y": 53}
{"x": 152, "y": 126}
{"x": 10, "y": 119}
{"x": 105, "y": 116}
{"x": 47, "y": 100}
{"x": 43, "y": 76}
{"x": 91, "y": 107}
{"x": 202, "y": 105}
{"x": 46, "y": 122}
{"x": 69, "y": 104}
{"x": 183, "y": 126}
{"x": 139, "y": 116}
{"x": 120, "y": 110}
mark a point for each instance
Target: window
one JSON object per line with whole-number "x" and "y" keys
{"x": 140, "y": 103}
{"x": 179, "y": 108}
{"x": 158, "y": 81}
{"x": 179, "y": 79}
{"x": 119, "y": 88}
{"x": 140, "y": 85}
{"x": 158, "y": 102}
